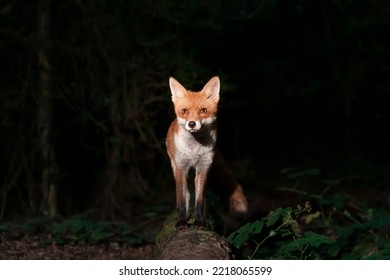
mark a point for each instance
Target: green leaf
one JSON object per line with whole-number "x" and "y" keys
{"x": 98, "y": 235}
{"x": 309, "y": 239}
{"x": 240, "y": 236}
{"x": 256, "y": 227}
{"x": 77, "y": 225}
{"x": 61, "y": 227}
{"x": 285, "y": 233}
{"x": 243, "y": 234}
{"x": 274, "y": 217}
{"x": 379, "y": 218}
{"x": 73, "y": 225}
{"x": 288, "y": 210}
{"x": 315, "y": 239}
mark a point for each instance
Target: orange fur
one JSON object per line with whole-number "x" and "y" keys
{"x": 191, "y": 144}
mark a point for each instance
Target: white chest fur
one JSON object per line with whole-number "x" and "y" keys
{"x": 194, "y": 151}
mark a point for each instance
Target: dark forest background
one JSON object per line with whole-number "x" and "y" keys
{"x": 85, "y": 102}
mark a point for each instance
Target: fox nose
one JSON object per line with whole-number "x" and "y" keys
{"x": 191, "y": 124}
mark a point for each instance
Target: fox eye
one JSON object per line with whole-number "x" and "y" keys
{"x": 184, "y": 111}
{"x": 203, "y": 110}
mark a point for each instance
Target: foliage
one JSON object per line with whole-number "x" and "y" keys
{"x": 340, "y": 227}
{"x": 81, "y": 229}
{"x": 364, "y": 237}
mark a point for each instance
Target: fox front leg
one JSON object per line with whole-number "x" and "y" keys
{"x": 182, "y": 198}
{"x": 200, "y": 182}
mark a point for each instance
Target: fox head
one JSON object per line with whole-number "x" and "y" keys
{"x": 195, "y": 110}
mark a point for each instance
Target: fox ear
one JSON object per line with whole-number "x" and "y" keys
{"x": 177, "y": 90}
{"x": 211, "y": 89}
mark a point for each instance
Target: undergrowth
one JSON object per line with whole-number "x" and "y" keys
{"x": 326, "y": 226}
{"x": 83, "y": 229}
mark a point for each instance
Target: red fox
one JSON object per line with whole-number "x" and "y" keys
{"x": 191, "y": 144}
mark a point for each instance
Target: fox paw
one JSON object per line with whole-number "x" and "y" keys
{"x": 201, "y": 225}
{"x": 181, "y": 224}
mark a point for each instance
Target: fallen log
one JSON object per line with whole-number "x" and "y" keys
{"x": 191, "y": 243}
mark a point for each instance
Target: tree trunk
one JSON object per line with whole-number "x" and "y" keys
{"x": 191, "y": 243}
{"x": 48, "y": 180}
